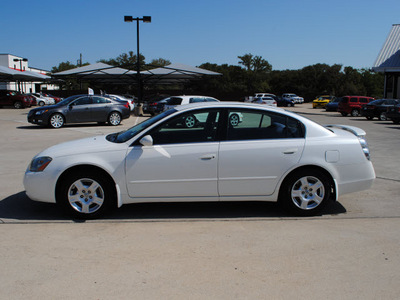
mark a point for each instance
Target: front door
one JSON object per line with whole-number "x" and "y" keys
{"x": 80, "y": 110}
{"x": 182, "y": 162}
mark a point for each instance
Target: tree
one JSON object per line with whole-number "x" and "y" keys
{"x": 126, "y": 60}
{"x": 159, "y": 62}
{"x": 254, "y": 63}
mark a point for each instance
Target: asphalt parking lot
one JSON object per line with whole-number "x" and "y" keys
{"x": 198, "y": 250}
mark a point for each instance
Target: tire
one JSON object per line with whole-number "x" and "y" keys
{"x": 355, "y": 113}
{"x": 383, "y": 116}
{"x": 344, "y": 114}
{"x": 114, "y": 118}
{"x": 17, "y": 104}
{"x": 56, "y": 120}
{"x": 305, "y": 192}
{"x": 190, "y": 121}
{"x": 234, "y": 120}
{"x": 41, "y": 103}
{"x": 86, "y": 195}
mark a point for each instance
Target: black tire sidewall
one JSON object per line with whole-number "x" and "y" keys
{"x": 285, "y": 197}
{"x": 109, "y": 195}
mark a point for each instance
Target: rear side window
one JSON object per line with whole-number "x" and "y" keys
{"x": 363, "y": 100}
{"x": 175, "y": 101}
{"x": 196, "y": 100}
{"x": 263, "y": 125}
{"x": 353, "y": 100}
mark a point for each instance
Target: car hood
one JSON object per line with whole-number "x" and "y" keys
{"x": 96, "y": 144}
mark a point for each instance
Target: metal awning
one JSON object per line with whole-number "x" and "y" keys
{"x": 104, "y": 73}
{"x": 388, "y": 59}
{"x": 9, "y": 75}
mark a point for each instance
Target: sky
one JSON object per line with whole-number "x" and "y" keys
{"x": 289, "y": 34}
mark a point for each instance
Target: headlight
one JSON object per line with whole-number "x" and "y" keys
{"x": 41, "y": 112}
{"x": 38, "y": 164}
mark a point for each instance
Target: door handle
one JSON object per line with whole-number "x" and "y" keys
{"x": 290, "y": 151}
{"x": 207, "y": 157}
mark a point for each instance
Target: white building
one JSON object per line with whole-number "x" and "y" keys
{"x": 21, "y": 64}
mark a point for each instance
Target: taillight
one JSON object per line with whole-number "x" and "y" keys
{"x": 126, "y": 105}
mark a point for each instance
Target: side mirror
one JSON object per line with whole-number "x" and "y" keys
{"x": 147, "y": 140}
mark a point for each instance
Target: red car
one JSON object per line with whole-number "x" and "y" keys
{"x": 14, "y": 98}
{"x": 352, "y": 105}
{"x": 56, "y": 99}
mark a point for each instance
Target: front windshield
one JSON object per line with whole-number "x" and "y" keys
{"x": 123, "y": 136}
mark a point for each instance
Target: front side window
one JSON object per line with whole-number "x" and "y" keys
{"x": 190, "y": 127}
{"x": 256, "y": 125}
{"x": 83, "y": 101}
{"x": 363, "y": 100}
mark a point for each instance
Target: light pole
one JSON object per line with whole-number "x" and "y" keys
{"x": 145, "y": 19}
{"x": 20, "y": 68}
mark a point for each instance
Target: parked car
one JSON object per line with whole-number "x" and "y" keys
{"x": 123, "y": 98}
{"x": 322, "y": 101}
{"x": 41, "y": 100}
{"x": 155, "y": 107}
{"x": 352, "y": 105}
{"x": 56, "y": 99}
{"x": 296, "y": 99}
{"x": 393, "y": 114}
{"x": 284, "y": 102}
{"x": 16, "y": 99}
{"x": 181, "y": 100}
{"x": 378, "y": 108}
{"x": 265, "y": 100}
{"x": 273, "y": 155}
{"x": 80, "y": 109}
{"x": 333, "y": 105}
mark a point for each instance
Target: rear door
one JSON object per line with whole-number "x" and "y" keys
{"x": 257, "y": 152}
{"x": 100, "y": 108}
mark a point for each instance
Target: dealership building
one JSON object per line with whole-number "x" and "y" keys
{"x": 388, "y": 62}
{"x": 21, "y": 64}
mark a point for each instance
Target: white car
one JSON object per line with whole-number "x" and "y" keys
{"x": 273, "y": 155}
{"x": 293, "y": 97}
{"x": 265, "y": 100}
{"x": 122, "y": 98}
{"x": 182, "y": 100}
{"x": 42, "y": 100}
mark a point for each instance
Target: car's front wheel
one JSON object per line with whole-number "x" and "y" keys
{"x": 382, "y": 116}
{"x": 41, "y": 103}
{"x": 18, "y": 104}
{"x": 305, "y": 192}
{"x": 114, "y": 118}
{"x": 56, "y": 120}
{"x": 86, "y": 195}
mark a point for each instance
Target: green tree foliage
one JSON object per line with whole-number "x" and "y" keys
{"x": 159, "y": 62}
{"x": 65, "y": 66}
{"x": 126, "y": 61}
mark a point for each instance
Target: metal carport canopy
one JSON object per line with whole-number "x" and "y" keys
{"x": 10, "y": 75}
{"x": 104, "y": 73}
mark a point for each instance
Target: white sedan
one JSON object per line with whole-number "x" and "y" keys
{"x": 266, "y": 101}
{"x": 272, "y": 155}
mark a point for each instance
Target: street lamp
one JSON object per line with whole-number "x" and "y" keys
{"x": 20, "y": 68}
{"x": 20, "y": 61}
{"x": 145, "y": 19}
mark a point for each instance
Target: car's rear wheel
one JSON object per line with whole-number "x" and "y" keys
{"x": 305, "y": 192}
{"x": 56, "y": 120}
{"x": 355, "y": 113}
{"x": 114, "y": 118}
{"x": 86, "y": 195}
{"x": 382, "y": 116}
